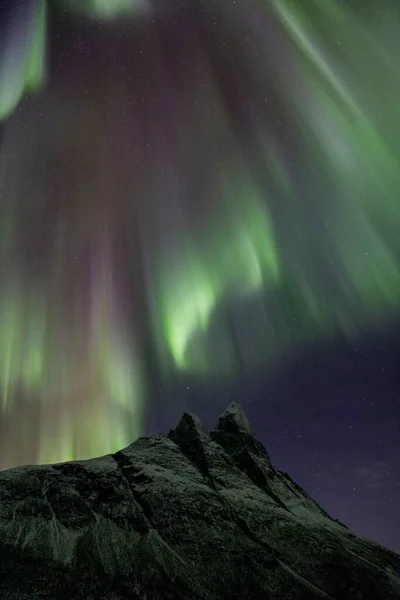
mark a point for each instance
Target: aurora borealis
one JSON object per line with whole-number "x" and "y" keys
{"x": 202, "y": 183}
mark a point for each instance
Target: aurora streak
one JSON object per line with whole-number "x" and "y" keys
{"x": 208, "y": 184}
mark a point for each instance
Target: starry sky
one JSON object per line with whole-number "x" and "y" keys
{"x": 200, "y": 203}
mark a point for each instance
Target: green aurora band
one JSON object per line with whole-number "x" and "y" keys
{"x": 258, "y": 232}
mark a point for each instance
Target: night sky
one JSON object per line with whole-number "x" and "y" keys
{"x": 200, "y": 204}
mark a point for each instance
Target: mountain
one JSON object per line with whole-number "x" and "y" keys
{"x": 193, "y": 515}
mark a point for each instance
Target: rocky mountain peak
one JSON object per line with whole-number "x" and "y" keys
{"x": 233, "y": 432}
{"x": 233, "y": 420}
{"x": 193, "y": 515}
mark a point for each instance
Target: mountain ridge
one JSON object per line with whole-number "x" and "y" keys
{"x": 188, "y": 515}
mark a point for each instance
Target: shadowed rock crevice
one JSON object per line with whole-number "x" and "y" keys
{"x": 193, "y": 515}
{"x": 134, "y": 476}
{"x": 193, "y": 440}
{"x": 233, "y": 433}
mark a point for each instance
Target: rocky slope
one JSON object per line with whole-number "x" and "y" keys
{"x": 188, "y": 516}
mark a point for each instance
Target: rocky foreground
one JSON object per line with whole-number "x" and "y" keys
{"x": 188, "y": 516}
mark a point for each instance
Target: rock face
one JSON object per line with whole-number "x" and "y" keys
{"x": 188, "y": 516}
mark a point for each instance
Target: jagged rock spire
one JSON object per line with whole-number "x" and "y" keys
{"x": 233, "y": 420}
